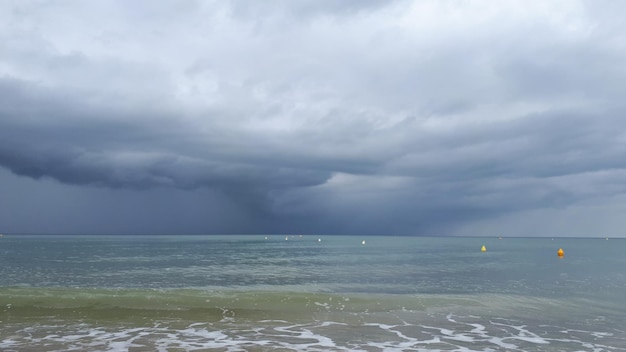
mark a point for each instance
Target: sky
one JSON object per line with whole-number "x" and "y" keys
{"x": 488, "y": 118}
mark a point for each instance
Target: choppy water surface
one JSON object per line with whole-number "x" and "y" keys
{"x": 241, "y": 293}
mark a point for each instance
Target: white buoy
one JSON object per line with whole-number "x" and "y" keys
{"x": 319, "y": 240}
{"x": 363, "y": 242}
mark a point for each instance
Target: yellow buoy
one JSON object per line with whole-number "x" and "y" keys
{"x": 560, "y": 253}
{"x": 483, "y": 249}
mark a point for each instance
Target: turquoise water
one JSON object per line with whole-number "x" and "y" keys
{"x": 310, "y": 293}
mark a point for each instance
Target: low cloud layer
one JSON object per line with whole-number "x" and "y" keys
{"x": 420, "y": 118}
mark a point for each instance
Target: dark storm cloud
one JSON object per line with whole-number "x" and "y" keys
{"x": 87, "y": 148}
{"x": 343, "y": 117}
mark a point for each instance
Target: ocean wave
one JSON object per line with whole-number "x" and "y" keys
{"x": 436, "y": 333}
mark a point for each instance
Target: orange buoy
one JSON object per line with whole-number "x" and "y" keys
{"x": 483, "y": 249}
{"x": 560, "y": 253}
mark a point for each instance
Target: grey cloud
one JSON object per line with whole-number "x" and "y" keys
{"x": 88, "y": 147}
{"x": 335, "y": 116}
{"x": 304, "y": 9}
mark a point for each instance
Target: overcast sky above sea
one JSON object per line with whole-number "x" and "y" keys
{"x": 313, "y": 116}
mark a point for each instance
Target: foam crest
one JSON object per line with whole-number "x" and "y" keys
{"x": 442, "y": 333}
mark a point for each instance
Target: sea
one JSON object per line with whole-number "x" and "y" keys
{"x": 311, "y": 293}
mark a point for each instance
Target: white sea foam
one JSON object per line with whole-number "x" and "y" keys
{"x": 458, "y": 333}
